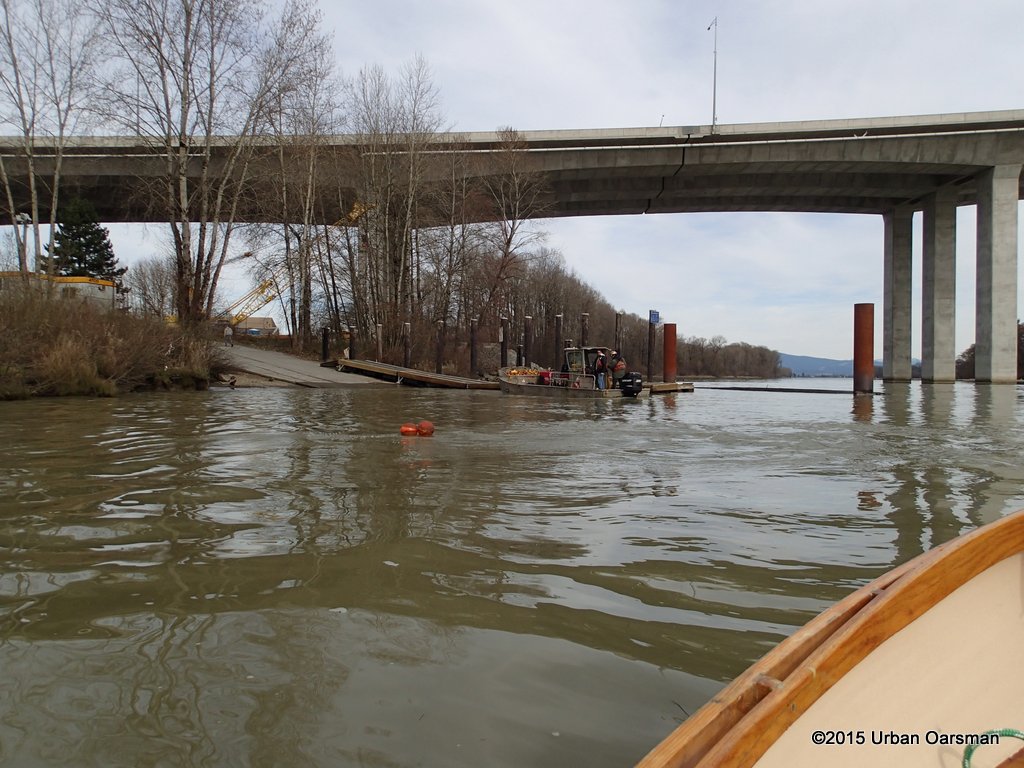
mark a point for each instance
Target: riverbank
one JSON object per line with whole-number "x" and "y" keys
{"x": 50, "y": 346}
{"x": 243, "y": 380}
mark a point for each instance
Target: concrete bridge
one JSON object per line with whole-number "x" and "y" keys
{"x": 889, "y": 167}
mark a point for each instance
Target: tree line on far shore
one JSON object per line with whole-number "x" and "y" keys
{"x": 965, "y": 361}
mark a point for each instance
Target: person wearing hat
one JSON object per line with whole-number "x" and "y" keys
{"x": 618, "y": 369}
{"x": 600, "y": 369}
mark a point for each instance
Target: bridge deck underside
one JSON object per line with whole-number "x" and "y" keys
{"x": 717, "y": 173}
{"x": 865, "y": 176}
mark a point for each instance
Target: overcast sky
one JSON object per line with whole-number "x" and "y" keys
{"x": 787, "y": 281}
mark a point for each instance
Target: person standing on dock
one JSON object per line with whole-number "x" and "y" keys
{"x": 229, "y": 335}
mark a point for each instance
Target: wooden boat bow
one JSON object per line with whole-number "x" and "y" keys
{"x": 745, "y": 720}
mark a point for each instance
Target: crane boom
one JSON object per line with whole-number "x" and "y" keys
{"x": 264, "y": 293}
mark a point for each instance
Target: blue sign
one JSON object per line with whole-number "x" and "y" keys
{"x": 655, "y": 317}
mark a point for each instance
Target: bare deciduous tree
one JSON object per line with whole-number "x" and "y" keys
{"x": 299, "y": 117}
{"x": 445, "y": 253}
{"x": 151, "y": 285}
{"x": 395, "y": 123}
{"x": 47, "y": 52}
{"x": 186, "y": 74}
{"x": 517, "y": 194}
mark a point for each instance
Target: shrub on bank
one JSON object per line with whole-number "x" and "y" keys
{"x": 54, "y": 346}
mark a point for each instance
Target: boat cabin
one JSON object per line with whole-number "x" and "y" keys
{"x": 582, "y": 359}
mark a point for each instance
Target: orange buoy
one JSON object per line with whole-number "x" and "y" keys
{"x": 409, "y": 429}
{"x": 425, "y": 428}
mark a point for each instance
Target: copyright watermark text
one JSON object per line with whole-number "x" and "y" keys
{"x": 898, "y": 738}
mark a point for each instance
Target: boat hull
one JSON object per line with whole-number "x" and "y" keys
{"x": 906, "y": 671}
{"x": 564, "y": 386}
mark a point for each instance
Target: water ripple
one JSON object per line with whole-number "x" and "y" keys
{"x": 241, "y": 577}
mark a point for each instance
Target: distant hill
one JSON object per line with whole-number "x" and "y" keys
{"x": 802, "y": 365}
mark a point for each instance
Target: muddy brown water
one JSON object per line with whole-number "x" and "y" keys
{"x": 277, "y": 577}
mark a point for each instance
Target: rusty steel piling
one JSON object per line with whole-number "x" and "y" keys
{"x": 863, "y": 348}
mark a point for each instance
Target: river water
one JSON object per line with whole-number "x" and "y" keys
{"x": 276, "y": 577}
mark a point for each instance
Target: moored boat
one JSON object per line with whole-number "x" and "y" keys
{"x": 921, "y": 667}
{"x": 576, "y": 379}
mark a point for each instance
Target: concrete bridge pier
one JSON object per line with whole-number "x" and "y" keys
{"x": 938, "y": 287}
{"x": 996, "y": 294}
{"x": 996, "y": 283}
{"x": 897, "y": 294}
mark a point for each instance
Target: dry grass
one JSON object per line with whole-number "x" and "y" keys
{"x": 52, "y": 346}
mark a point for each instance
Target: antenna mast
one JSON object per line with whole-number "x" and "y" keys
{"x": 714, "y": 80}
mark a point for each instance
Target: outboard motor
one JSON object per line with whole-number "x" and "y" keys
{"x": 632, "y": 384}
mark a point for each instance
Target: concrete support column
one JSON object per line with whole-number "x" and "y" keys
{"x": 897, "y": 294}
{"x": 995, "y": 358}
{"x": 938, "y": 288}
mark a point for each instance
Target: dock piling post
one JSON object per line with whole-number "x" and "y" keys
{"x": 584, "y": 328}
{"x": 325, "y": 344}
{"x": 351, "y": 342}
{"x": 380, "y": 342}
{"x": 559, "y": 343}
{"x": 527, "y": 339}
{"x": 474, "y": 356}
{"x": 652, "y": 328}
{"x": 407, "y": 345}
{"x": 668, "y": 364}
{"x": 863, "y": 348}
{"x": 503, "y": 341}
{"x": 439, "y": 361}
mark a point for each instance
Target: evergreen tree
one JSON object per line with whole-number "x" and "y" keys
{"x": 81, "y": 247}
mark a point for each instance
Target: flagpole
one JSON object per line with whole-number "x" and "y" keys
{"x": 714, "y": 80}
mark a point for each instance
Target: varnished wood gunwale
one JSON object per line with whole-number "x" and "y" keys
{"x": 1016, "y": 760}
{"x": 737, "y": 726}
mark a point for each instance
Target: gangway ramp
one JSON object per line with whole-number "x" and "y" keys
{"x": 411, "y": 376}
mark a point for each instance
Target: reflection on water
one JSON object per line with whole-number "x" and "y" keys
{"x": 277, "y": 577}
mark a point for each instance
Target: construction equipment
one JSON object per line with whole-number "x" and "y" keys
{"x": 269, "y": 288}
{"x": 264, "y": 293}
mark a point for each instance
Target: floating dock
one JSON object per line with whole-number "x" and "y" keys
{"x": 410, "y": 376}
{"x": 664, "y": 387}
{"x": 417, "y": 378}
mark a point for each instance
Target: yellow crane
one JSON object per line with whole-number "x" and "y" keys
{"x": 268, "y": 289}
{"x": 264, "y": 293}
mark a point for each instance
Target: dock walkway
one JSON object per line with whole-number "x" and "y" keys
{"x": 289, "y": 369}
{"x": 412, "y": 376}
{"x": 667, "y": 387}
